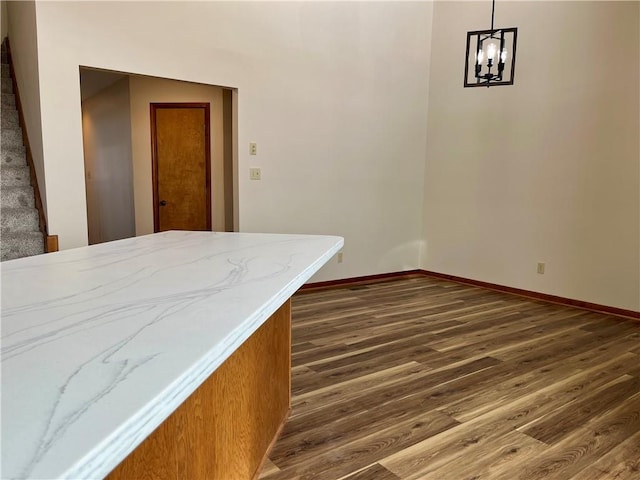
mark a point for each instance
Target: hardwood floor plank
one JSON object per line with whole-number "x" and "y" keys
{"x": 337, "y": 435}
{"x": 375, "y": 352}
{"x": 526, "y": 340}
{"x": 327, "y": 431}
{"x": 486, "y": 429}
{"x": 621, "y": 463}
{"x": 366, "y": 450}
{"x": 571, "y": 376}
{"x": 507, "y": 326}
{"x": 321, "y": 397}
{"x": 372, "y": 363}
{"x": 487, "y": 460}
{"x": 421, "y": 378}
{"x": 303, "y": 379}
{"x": 364, "y": 332}
{"x": 635, "y": 349}
{"x": 297, "y": 348}
{"x": 422, "y": 393}
{"x": 555, "y": 426}
{"x": 416, "y": 329}
{"x": 327, "y": 353}
{"x": 614, "y": 325}
{"x": 312, "y": 332}
{"x": 587, "y": 444}
{"x": 336, "y": 319}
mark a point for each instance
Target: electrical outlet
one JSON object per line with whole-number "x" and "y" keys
{"x": 541, "y": 268}
{"x": 254, "y": 173}
{"x": 253, "y": 148}
{"x": 339, "y": 257}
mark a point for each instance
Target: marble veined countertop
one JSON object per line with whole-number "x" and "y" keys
{"x": 101, "y": 344}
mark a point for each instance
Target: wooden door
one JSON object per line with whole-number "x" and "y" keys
{"x": 181, "y": 157}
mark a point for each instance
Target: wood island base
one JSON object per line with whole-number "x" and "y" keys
{"x": 226, "y": 428}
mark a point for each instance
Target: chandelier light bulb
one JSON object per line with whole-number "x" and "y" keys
{"x": 480, "y": 56}
{"x": 491, "y": 51}
{"x": 503, "y": 56}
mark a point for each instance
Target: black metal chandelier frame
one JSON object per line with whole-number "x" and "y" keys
{"x": 496, "y": 77}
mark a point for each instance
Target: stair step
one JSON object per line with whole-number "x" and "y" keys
{"x": 8, "y": 100}
{"x": 13, "y": 157}
{"x": 17, "y": 197}
{"x": 12, "y": 137}
{"x": 5, "y": 147}
{"x": 14, "y": 220}
{"x": 5, "y": 71}
{"x": 10, "y": 118}
{"x": 14, "y": 176}
{"x": 7, "y": 85}
{"x": 18, "y": 245}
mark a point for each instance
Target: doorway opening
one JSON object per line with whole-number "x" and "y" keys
{"x": 128, "y": 168}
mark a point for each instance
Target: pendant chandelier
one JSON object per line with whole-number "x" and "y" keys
{"x": 491, "y": 56}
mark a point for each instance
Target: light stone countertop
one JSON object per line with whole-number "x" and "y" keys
{"x": 100, "y": 344}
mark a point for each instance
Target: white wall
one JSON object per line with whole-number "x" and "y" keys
{"x": 146, "y": 90}
{"x": 545, "y": 170}
{"x": 106, "y": 123}
{"x": 24, "y": 50}
{"x": 335, "y": 94}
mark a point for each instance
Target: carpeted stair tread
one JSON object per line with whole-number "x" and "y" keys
{"x": 12, "y": 147}
{"x": 5, "y": 71}
{"x": 8, "y": 100}
{"x": 17, "y": 197}
{"x": 13, "y": 220}
{"x": 13, "y": 157}
{"x": 11, "y": 138}
{"x": 23, "y": 244}
{"x": 10, "y": 118}
{"x": 7, "y": 85}
{"x": 14, "y": 175}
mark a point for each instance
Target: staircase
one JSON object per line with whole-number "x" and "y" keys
{"x": 20, "y": 234}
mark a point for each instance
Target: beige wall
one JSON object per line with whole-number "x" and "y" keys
{"x": 24, "y": 48}
{"x": 335, "y": 95}
{"x": 106, "y": 122}
{"x": 146, "y": 90}
{"x": 545, "y": 170}
{"x": 4, "y": 24}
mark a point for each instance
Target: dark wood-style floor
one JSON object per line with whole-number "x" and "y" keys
{"x": 426, "y": 379}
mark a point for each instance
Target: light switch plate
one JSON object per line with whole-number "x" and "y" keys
{"x": 254, "y": 173}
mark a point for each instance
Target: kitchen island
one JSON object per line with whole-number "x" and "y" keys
{"x": 162, "y": 356}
